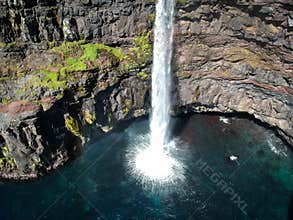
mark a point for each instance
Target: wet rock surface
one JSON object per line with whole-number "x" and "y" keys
{"x": 230, "y": 57}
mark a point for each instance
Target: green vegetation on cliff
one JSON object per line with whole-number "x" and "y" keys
{"x": 73, "y": 126}
{"x": 89, "y": 117}
{"x": 182, "y": 2}
{"x": 6, "y": 162}
{"x": 51, "y": 80}
{"x": 141, "y": 52}
{"x": 62, "y": 65}
{"x": 81, "y": 56}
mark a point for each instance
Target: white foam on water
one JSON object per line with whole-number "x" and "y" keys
{"x": 273, "y": 148}
{"x": 153, "y": 161}
{"x": 224, "y": 120}
{"x": 156, "y": 169}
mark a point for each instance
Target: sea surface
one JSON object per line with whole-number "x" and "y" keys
{"x": 103, "y": 184}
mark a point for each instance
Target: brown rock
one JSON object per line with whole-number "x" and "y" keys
{"x": 18, "y": 107}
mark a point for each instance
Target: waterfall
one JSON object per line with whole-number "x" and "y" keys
{"x": 154, "y": 161}
{"x": 161, "y": 72}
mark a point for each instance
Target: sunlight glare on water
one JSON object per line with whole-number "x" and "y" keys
{"x": 155, "y": 167}
{"x": 155, "y": 163}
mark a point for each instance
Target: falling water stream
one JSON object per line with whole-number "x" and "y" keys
{"x": 161, "y": 75}
{"x": 154, "y": 161}
{"x": 113, "y": 176}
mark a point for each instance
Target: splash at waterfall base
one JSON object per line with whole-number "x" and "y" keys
{"x": 154, "y": 166}
{"x": 154, "y": 162}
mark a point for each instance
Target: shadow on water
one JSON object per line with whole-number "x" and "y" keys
{"x": 178, "y": 125}
{"x": 240, "y": 115}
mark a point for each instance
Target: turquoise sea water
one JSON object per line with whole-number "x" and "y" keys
{"x": 100, "y": 184}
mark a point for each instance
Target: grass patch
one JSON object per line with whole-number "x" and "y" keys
{"x": 142, "y": 48}
{"x": 47, "y": 79}
{"x": 8, "y": 45}
{"x": 140, "y": 53}
{"x": 182, "y": 1}
{"x": 92, "y": 52}
{"x": 143, "y": 75}
{"x": 67, "y": 49}
{"x": 72, "y": 65}
{"x": 80, "y": 56}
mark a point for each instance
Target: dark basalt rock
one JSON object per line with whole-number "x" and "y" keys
{"x": 47, "y": 20}
{"x": 230, "y": 57}
{"x": 38, "y": 139}
{"x": 239, "y": 61}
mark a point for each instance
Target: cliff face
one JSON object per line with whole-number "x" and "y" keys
{"x": 48, "y": 20}
{"x": 237, "y": 57}
{"x": 228, "y": 57}
{"x": 55, "y": 95}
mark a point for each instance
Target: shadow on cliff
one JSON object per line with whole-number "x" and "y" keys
{"x": 52, "y": 129}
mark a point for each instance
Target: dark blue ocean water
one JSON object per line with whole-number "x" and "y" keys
{"x": 99, "y": 184}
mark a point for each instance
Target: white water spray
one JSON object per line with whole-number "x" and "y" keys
{"x": 161, "y": 75}
{"x": 154, "y": 162}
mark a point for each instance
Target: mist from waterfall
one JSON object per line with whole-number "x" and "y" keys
{"x": 153, "y": 160}
{"x": 161, "y": 73}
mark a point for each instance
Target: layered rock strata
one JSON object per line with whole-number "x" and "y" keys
{"x": 229, "y": 57}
